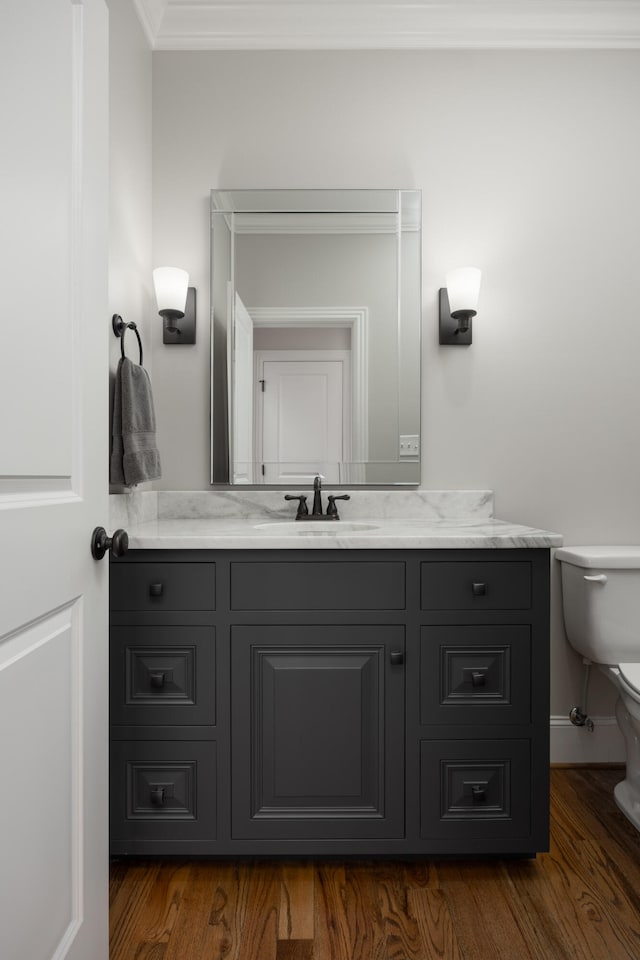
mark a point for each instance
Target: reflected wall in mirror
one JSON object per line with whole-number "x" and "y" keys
{"x": 316, "y": 317}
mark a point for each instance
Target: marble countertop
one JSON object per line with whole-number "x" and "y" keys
{"x": 388, "y": 533}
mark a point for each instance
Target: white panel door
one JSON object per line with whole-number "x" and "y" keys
{"x": 53, "y": 479}
{"x": 242, "y": 434}
{"x": 303, "y": 419}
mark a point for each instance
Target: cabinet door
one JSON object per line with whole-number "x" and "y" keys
{"x": 317, "y": 732}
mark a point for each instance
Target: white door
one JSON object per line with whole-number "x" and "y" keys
{"x": 242, "y": 434}
{"x": 304, "y": 417}
{"x": 53, "y": 480}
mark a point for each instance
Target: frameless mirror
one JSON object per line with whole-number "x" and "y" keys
{"x": 316, "y": 310}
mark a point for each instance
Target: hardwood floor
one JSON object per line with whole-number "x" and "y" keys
{"x": 581, "y": 901}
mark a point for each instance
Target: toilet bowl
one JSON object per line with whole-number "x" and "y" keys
{"x": 601, "y": 604}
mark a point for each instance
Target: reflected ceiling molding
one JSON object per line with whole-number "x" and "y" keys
{"x": 321, "y": 223}
{"x": 390, "y": 24}
{"x": 150, "y": 14}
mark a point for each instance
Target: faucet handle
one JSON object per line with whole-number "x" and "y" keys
{"x": 303, "y": 509}
{"x": 332, "y": 510}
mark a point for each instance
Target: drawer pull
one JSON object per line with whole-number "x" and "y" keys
{"x": 155, "y": 590}
{"x": 157, "y": 679}
{"x": 479, "y": 589}
{"x": 478, "y": 678}
{"x": 156, "y": 794}
{"x": 397, "y": 658}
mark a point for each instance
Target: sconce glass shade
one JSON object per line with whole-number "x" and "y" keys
{"x": 171, "y": 290}
{"x": 463, "y": 287}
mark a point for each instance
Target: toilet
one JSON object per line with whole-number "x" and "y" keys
{"x": 601, "y": 603}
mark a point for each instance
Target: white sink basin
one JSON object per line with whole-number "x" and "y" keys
{"x": 335, "y": 527}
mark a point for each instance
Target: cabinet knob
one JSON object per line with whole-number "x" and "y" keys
{"x": 478, "y": 678}
{"x": 396, "y": 658}
{"x": 156, "y": 679}
{"x": 478, "y": 793}
{"x": 156, "y": 794}
{"x": 479, "y": 589}
{"x": 155, "y": 589}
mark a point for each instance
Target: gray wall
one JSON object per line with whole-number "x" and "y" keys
{"x": 130, "y": 282}
{"x": 528, "y": 166}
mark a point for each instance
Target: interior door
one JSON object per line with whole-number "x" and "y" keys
{"x": 53, "y": 480}
{"x": 304, "y": 417}
{"x": 242, "y": 434}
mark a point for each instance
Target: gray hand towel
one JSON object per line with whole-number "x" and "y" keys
{"x": 134, "y": 454}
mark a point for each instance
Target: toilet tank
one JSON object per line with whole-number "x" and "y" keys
{"x": 601, "y": 601}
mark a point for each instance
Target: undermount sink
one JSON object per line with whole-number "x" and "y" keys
{"x": 336, "y": 527}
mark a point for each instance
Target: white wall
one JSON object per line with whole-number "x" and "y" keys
{"x": 528, "y": 165}
{"x": 130, "y": 210}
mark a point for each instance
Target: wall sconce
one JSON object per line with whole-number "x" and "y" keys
{"x": 176, "y": 304}
{"x": 458, "y": 304}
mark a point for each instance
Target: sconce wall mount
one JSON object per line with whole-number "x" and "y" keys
{"x": 176, "y": 305}
{"x": 461, "y": 294}
{"x": 181, "y": 329}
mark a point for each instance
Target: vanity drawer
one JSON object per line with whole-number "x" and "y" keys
{"x": 163, "y": 675}
{"x": 475, "y": 674}
{"x": 318, "y": 585}
{"x": 475, "y": 585}
{"x": 163, "y": 586}
{"x": 474, "y": 789}
{"x": 163, "y": 791}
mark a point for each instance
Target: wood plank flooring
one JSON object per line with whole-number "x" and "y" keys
{"x": 581, "y": 901}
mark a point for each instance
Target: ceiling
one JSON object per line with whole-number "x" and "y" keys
{"x": 390, "y": 24}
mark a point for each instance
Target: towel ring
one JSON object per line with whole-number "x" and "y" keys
{"x": 120, "y": 328}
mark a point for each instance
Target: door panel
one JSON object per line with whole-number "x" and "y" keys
{"x": 53, "y": 481}
{"x": 317, "y": 732}
{"x": 303, "y": 419}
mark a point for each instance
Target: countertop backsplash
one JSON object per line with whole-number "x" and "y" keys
{"x": 131, "y": 509}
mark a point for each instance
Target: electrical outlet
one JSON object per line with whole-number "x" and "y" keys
{"x": 409, "y": 445}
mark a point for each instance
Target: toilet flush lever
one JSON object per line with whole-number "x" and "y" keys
{"x": 596, "y": 578}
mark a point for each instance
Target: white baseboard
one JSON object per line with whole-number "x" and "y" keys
{"x": 571, "y": 744}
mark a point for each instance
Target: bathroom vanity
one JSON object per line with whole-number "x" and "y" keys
{"x": 374, "y": 692}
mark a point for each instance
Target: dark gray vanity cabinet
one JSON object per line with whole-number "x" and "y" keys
{"x": 330, "y": 702}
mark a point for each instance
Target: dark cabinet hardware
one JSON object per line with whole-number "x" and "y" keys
{"x": 157, "y": 795}
{"x": 478, "y": 792}
{"x": 478, "y": 678}
{"x": 100, "y": 543}
{"x": 332, "y": 510}
{"x": 396, "y": 658}
{"x": 155, "y": 589}
{"x": 157, "y": 679}
{"x": 303, "y": 510}
{"x": 479, "y": 589}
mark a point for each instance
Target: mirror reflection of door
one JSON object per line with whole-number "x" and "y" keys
{"x": 303, "y": 413}
{"x": 243, "y": 380}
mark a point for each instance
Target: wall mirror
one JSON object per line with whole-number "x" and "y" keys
{"x": 316, "y": 317}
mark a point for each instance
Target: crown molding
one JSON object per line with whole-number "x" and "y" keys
{"x": 150, "y": 14}
{"x": 390, "y": 24}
